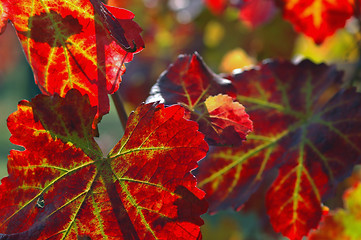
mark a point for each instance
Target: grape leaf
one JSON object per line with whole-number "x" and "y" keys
{"x": 3, "y": 15}
{"x": 190, "y": 83}
{"x": 223, "y": 121}
{"x": 61, "y": 186}
{"x": 342, "y": 223}
{"x": 321, "y": 153}
{"x": 68, "y": 46}
{"x": 116, "y": 27}
{"x": 317, "y": 19}
{"x": 315, "y": 144}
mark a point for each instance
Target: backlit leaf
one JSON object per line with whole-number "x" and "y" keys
{"x": 68, "y": 47}
{"x": 190, "y": 83}
{"x": 223, "y": 120}
{"x": 125, "y": 33}
{"x": 61, "y": 186}
{"x": 342, "y": 223}
{"x": 321, "y": 152}
{"x": 317, "y": 19}
{"x": 3, "y": 15}
{"x": 315, "y": 144}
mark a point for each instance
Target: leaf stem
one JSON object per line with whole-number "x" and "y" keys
{"x": 120, "y": 108}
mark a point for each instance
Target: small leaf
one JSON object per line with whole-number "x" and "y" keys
{"x": 189, "y": 82}
{"x": 223, "y": 121}
{"x": 61, "y": 186}
{"x": 317, "y": 19}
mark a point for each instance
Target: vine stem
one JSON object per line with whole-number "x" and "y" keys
{"x": 118, "y": 102}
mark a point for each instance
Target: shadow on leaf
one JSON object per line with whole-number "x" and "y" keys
{"x": 57, "y": 28}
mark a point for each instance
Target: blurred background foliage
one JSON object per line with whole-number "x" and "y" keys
{"x": 226, "y": 40}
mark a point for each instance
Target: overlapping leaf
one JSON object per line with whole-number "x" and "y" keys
{"x": 61, "y": 186}
{"x": 224, "y": 121}
{"x": 316, "y": 144}
{"x": 317, "y": 19}
{"x": 342, "y": 223}
{"x": 190, "y": 82}
{"x": 68, "y": 46}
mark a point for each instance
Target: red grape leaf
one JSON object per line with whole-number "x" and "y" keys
{"x": 142, "y": 190}
{"x": 317, "y": 143}
{"x": 317, "y": 19}
{"x": 189, "y": 82}
{"x": 124, "y": 31}
{"x": 68, "y": 49}
{"x": 321, "y": 152}
{"x": 342, "y": 223}
{"x": 3, "y": 15}
{"x": 223, "y": 121}
{"x": 230, "y": 175}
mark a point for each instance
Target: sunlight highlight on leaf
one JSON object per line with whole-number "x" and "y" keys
{"x": 317, "y": 19}
{"x": 67, "y": 47}
{"x": 190, "y": 83}
{"x": 224, "y": 121}
{"x": 62, "y": 187}
{"x": 3, "y": 15}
